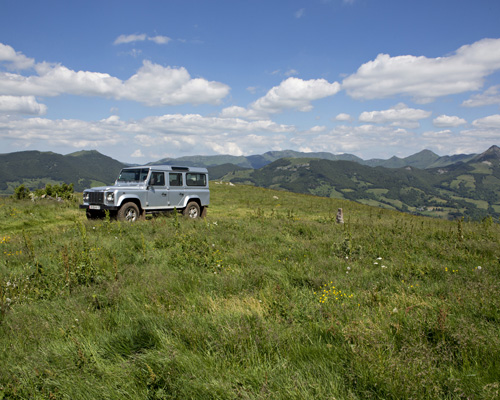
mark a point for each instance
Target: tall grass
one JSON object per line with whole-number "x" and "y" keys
{"x": 266, "y": 298}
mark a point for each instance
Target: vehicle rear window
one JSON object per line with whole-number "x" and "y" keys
{"x": 193, "y": 179}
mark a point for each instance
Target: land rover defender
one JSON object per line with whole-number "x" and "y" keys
{"x": 150, "y": 189}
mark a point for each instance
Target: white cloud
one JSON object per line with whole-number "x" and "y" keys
{"x": 363, "y": 140}
{"x": 314, "y": 130}
{"x": 492, "y": 121}
{"x": 444, "y": 121}
{"x": 160, "y": 39}
{"x": 441, "y": 135}
{"x": 72, "y": 133}
{"x": 124, "y": 39}
{"x": 14, "y": 59}
{"x": 294, "y": 93}
{"x": 137, "y": 154}
{"x": 343, "y": 117}
{"x": 174, "y": 133}
{"x": 401, "y": 113}
{"x": 240, "y": 112}
{"x": 424, "y": 78}
{"x": 21, "y": 105}
{"x": 152, "y": 84}
{"x": 155, "y": 85}
{"x": 130, "y": 38}
{"x": 490, "y": 96}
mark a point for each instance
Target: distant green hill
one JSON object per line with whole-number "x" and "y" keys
{"x": 35, "y": 169}
{"x": 469, "y": 189}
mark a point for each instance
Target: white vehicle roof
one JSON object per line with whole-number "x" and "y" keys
{"x": 174, "y": 168}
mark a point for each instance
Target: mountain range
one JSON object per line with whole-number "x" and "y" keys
{"x": 423, "y": 159}
{"x": 449, "y": 187}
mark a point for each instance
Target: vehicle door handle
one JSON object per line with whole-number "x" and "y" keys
{"x": 164, "y": 194}
{"x": 181, "y": 194}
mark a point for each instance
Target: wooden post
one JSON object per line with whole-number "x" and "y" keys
{"x": 340, "y": 216}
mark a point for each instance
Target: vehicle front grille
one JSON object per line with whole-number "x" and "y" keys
{"x": 96, "y": 197}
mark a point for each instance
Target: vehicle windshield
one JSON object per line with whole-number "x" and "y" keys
{"x": 133, "y": 175}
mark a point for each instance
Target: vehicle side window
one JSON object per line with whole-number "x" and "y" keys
{"x": 157, "y": 179}
{"x": 193, "y": 179}
{"x": 175, "y": 179}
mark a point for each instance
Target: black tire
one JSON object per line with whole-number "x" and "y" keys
{"x": 192, "y": 210}
{"x": 129, "y": 212}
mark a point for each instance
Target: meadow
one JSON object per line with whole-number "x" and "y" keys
{"x": 267, "y": 298}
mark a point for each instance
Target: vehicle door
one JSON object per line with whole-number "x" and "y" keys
{"x": 157, "y": 190}
{"x": 176, "y": 192}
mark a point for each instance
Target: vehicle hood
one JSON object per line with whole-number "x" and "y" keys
{"x": 120, "y": 186}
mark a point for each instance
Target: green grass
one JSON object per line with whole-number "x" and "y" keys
{"x": 266, "y": 298}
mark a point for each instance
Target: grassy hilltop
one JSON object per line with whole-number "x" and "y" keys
{"x": 268, "y": 298}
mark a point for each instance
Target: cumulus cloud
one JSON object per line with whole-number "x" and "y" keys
{"x": 191, "y": 129}
{"x": 490, "y": 96}
{"x": 492, "y": 121}
{"x": 72, "y": 133}
{"x": 399, "y": 114}
{"x": 343, "y": 117}
{"x": 292, "y": 93}
{"x": 240, "y": 112}
{"x": 21, "y": 105}
{"x": 295, "y": 93}
{"x": 444, "y": 121}
{"x": 13, "y": 59}
{"x": 425, "y": 79}
{"x": 363, "y": 140}
{"x": 152, "y": 84}
{"x": 156, "y": 85}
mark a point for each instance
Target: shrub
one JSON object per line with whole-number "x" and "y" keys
{"x": 63, "y": 191}
{"x": 21, "y": 192}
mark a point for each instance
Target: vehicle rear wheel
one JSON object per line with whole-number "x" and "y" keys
{"x": 129, "y": 212}
{"x": 192, "y": 210}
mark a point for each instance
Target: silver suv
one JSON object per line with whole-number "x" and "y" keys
{"x": 150, "y": 189}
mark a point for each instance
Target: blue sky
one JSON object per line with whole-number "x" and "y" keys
{"x": 140, "y": 81}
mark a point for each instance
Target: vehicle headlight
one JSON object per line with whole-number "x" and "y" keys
{"x": 86, "y": 197}
{"x": 110, "y": 197}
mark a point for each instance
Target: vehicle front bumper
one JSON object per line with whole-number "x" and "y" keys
{"x": 98, "y": 207}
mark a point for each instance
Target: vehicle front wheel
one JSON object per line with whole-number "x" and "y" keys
{"x": 129, "y": 212}
{"x": 192, "y": 210}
